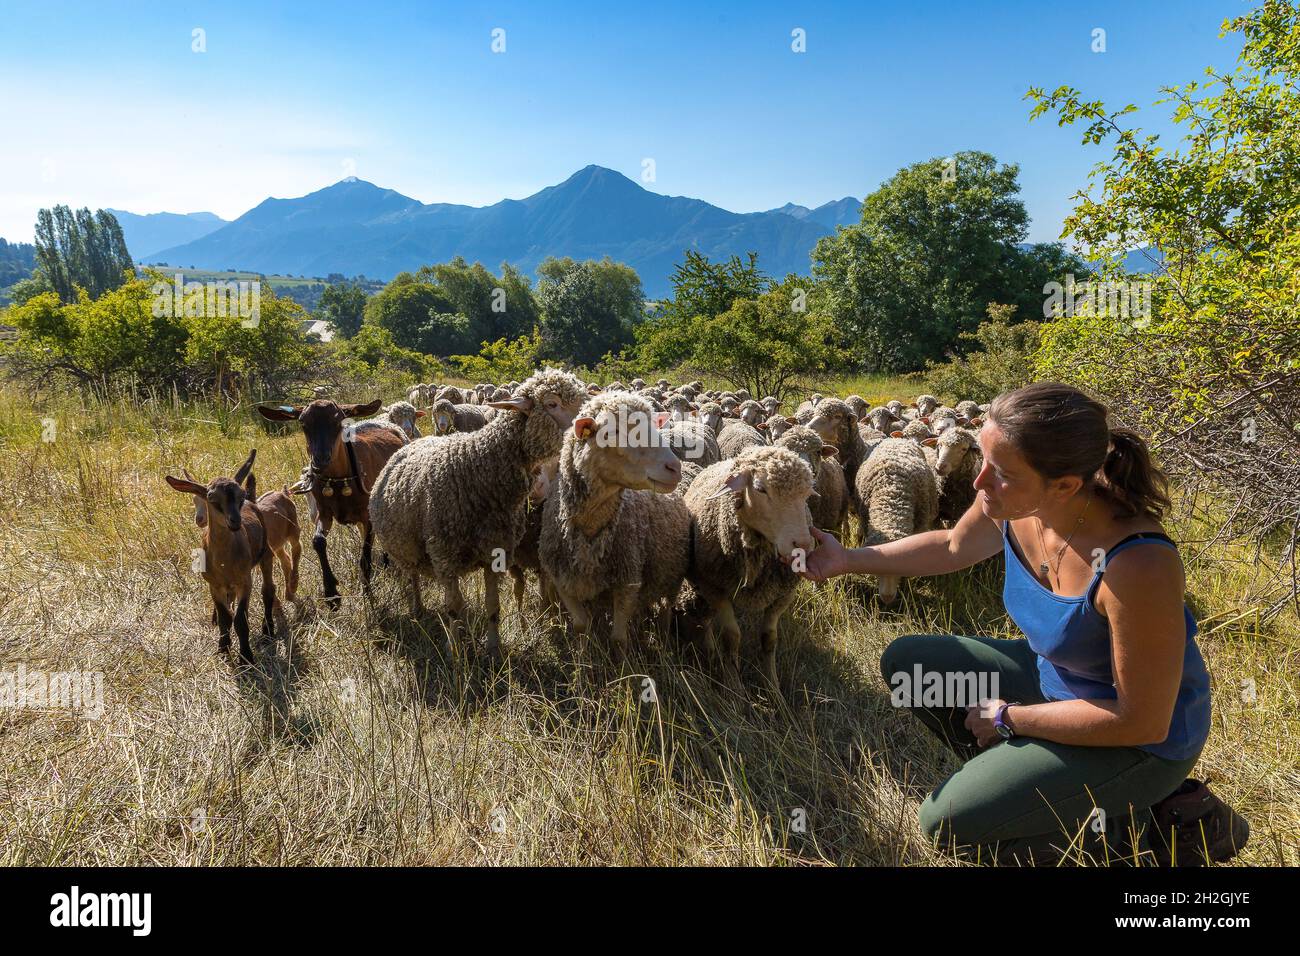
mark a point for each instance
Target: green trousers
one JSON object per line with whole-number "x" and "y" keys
{"x": 1026, "y": 800}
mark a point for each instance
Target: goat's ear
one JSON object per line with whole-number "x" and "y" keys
{"x": 518, "y": 404}
{"x": 246, "y": 467}
{"x": 583, "y": 427}
{"x": 931, "y": 442}
{"x": 250, "y": 486}
{"x": 280, "y": 413}
{"x": 829, "y": 451}
{"x": 361, "y": 411}
{"x": 188, "y": 487}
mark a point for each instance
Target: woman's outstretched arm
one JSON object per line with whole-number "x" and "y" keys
{"x": 971, "y": 540}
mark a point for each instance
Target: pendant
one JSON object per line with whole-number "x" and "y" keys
{"x": 1042, "y": 570}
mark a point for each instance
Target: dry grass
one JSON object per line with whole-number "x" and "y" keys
{"x": 357, "y": 743}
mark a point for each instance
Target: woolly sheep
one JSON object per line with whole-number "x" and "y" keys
{"x": 897, "y": 495}
{"x": 693, "y": 441}
{"x": 858, "y": 405}
{"x": 925, "y": 404}
{"x": 829, "y": 506}
{"x": 613, "y": 535}
{"x": 738, "y": 436}
{"x": 771, "y": 405}
{"x": 838, "y": 426}
{"x": 777, "y": 426}
{"x": 449, "y": 418}
{"x": 958, "y": 463}
{"x": 451, "y": 505}
{"x": 750, "y": 515}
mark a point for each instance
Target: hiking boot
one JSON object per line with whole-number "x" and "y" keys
{"x": 1200, "y": 825}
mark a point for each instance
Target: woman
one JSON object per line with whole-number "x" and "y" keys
{"x": 1104, "y": 710}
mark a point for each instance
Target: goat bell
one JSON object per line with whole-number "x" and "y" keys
{"x": 328, "y": 490}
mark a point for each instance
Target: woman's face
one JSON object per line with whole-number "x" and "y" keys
{"x": 1008, "y": 487}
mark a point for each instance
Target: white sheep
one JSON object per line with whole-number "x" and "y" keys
{"x": 897, "y": 495}
{"x": 446, "y": 506}
{"x": 613, "y": 536}
{"x": 750, "y": 518}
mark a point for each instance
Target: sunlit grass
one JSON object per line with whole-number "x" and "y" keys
{"x": 362, "y": 744}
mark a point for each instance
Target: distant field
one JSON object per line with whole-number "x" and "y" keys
{"x": 360, "y": 743}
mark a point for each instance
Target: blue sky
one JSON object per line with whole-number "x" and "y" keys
{"x": 108, "y": 105}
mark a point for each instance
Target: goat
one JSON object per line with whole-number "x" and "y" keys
{"x": 342, "y": 469}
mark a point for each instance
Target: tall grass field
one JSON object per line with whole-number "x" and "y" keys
{"x": 356, "y": 741}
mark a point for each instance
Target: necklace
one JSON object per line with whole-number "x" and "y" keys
{"x": 1043, "y": 568}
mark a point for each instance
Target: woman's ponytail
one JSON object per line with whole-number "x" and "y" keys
{"x": 1130, "y": 480}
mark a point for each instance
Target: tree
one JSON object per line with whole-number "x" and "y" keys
{"x": 765, "y": 344}
{"x": 936, "y": 244}
{"x": 589, "y": 309}
{"x": 81, "y": 250}
{"x": 343, "y": 305}
{"x": 1213, "y": 372}
{"x": 502, "y": 360}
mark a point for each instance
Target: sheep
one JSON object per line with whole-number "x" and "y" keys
{"x": 690, "y": 471}
{"x": 829, "y": 506}
{"x": 858, "y": 405}
{"x": 343, "y": 460}
{"x": 958, "y": 463}
{"x": 417, "y": 395}
{"x": 613, "y": 535}
{"x": 898, "y": 410}
{"x": 897, "y": 495}
{"x": 777, "y": 426}
{"x": 738, "y": 436}
{"x": 750, "y": 515}
{"x": 771, "y": 405}
{"x": 925, "y": 404}
{"x": 242, "y": 532}
{"x": 967, "y": 409}
{"x": 751, "y": 413}
{"x": 883, "y": 419}
{"x": 451, "y": 505}
{"x": 837, "y": 425}
{"x": 449, "y": 418}
{"x": 527, "y": 556}
{"x": 710, "y": 413}
{"x": 452, "y": 394}
{"x": 400, "y": 415}
{"x": 692, "y": 441}
{"x": 919, "y": 432}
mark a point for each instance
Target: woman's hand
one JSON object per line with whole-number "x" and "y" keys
{"x": 828, "y": 559}
{"x": 979, "y": 721}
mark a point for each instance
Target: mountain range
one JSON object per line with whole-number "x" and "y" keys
{"x": 355, "y": 227}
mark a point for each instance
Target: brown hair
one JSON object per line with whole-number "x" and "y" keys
{"x": 1061, "y": 431}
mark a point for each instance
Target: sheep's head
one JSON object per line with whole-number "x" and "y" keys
{"x": 917, "y": 431}
{"x": 543, "y": 480}
{"x": 322, "y": 424}
{"x": 882, "y": 419}
{"x": 771, "y": 405}
{"x": 835, "y": 423}
{"x": 404, "y": 414}
{"x": 711, "y": 415}
{"x": 679, "y": 406}
{"x": 807, "y": 444}
{"x": 452, "y": 394}
{"x": 548, "y": 400}
{"x": 616, "y": 440}
{"x": 771, "y": 487}
{"x": 777, "y": 426}
{"x": 857, "y": 405}
{"x": 953, "y": 447}
{"x": 221, "y": 497}
{"x": 925, "y": 404}
{"x": 750, "y": 412}
{"x": 895, "y": 407}
{"x": 443, "y": 414}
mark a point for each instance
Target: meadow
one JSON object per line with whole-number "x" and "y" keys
{"x": 357, "y": 742}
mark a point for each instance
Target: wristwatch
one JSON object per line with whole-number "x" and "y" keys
{"x": 1004, "y": 729}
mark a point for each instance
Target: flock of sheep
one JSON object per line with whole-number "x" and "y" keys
{"x": 685, "y": 507}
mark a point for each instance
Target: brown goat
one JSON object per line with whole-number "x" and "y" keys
{"x": 343, "y": 464}
{"x": 241, "y": 532}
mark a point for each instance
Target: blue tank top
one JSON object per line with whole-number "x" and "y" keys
{"x": 1072, "y": 641}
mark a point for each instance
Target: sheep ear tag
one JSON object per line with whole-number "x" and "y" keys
{"x": 583, "y": 427}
